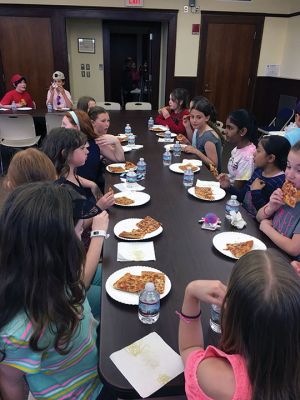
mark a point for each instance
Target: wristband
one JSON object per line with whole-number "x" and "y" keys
{"x": 99, "y": 233}
{"x": 187, "y": 318}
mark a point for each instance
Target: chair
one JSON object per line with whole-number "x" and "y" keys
{"x": 138, "y": 106}
{"x": 17, "y": 131}
{"x": 108, "y": 105}
{"x": 53, "y": 120}
{"x": 283, "y": 117}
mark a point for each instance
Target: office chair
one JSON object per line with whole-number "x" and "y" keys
{"x": 53, "y": 120}
{"x": 109, "y": 105}
{"x": 138, "y": 106}
{"x": 283, "y": 117}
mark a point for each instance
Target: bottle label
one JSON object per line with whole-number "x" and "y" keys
{"x": 147, "y": 309}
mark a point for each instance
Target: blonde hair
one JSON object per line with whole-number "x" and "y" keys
{"x": 30, "y": 165}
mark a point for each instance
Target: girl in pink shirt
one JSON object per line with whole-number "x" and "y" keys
{"x": 260, "y": 323}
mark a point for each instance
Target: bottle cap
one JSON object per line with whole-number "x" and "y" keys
{"x": 234, "y": 197}
{"x": 141, "y": 159}
{"x": 177, "y": 142}
{"x": 149, "y": 286}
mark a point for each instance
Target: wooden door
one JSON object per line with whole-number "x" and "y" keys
{"x": 26, "y": 48}
{"x": 228, "y": 61}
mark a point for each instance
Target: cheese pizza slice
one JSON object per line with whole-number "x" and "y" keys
{"x": 239, "y": 249}
{"x": 213, "y": 170}
{"x": 289, "y": 194}
{"x": 129, "y": 283}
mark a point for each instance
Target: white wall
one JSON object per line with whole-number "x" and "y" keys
{"x": 291, "y": 55}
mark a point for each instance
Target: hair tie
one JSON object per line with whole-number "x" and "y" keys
{"x": 75, "y": 118}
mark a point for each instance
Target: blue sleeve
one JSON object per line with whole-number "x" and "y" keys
{"x": 240, "y": 193}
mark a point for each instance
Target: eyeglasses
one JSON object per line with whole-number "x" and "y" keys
{"x": 58, "y": 100}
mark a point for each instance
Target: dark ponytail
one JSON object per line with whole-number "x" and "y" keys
{"x": 243, "y": 119}
{"x": 279, "y": 147}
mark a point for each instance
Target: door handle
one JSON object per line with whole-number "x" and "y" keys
{"x": 207, "y": 91}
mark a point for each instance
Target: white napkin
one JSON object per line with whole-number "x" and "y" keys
{"x": 3, "y": 109}
{"x": 148, "y": 364}
{"x": 196, "y": 163}
{"x": 163, "y": 140}
{"x": 136, "y": 146}
{"x": 237, "y": 220}
{"x": 136, "y": 251}
{"x": 123, "y": 187}
{"x": 207, "y": 183}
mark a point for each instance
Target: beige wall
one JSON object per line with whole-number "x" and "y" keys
{"x": 93, "y": 86}
{"x": 291, "y": 55}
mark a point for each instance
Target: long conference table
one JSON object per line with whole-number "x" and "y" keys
{"x": 183, "y": 251}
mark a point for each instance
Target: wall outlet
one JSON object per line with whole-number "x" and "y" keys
{"x": 197, "y": 10}
{"x": 185, "y": 9}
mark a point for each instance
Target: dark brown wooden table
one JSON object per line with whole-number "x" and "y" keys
{"x": 183, "y": 251}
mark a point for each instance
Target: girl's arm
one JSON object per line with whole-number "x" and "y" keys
{"x": 290, "y": 245}
{"x": 110, "y": 148}
{"x": 198, "y": 153}
{"x": 100, "y": 222}
{"x": 12, "y": 383}
{"x": 68, "y": 101}
{"x": 275, "y": 202}
{"x": 50, "y": 96}
{"x": 188, "y": 127}
{"x": 191, "y": 334}
{"x": 176, "y": 128}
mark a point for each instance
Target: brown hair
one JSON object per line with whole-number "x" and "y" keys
{"x": 30, "y": 165}
{"x": 261, "y": 322}
{"x": 84, "y": 122}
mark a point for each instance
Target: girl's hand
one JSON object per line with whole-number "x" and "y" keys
{"x": 257, "y": 184}
{"x": 106, "y": 201}
{"x": 165, "y": 112}
{"x": 212, "y": 292}
{"x": 189, "y": 149}
{"x": 106, "y": 139}
{"x": 265, "y": 226}
{"x": 224, "y": 180}
{"x": 276, "y": 200}
{"x": 296, "y": 266}
{"x": 186, "y": 121}
{"x": 100, "y": 222}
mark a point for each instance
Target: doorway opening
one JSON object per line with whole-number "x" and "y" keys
{"x": 132, "y": 61}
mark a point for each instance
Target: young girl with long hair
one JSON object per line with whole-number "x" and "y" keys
{"x": 207, "y": 140}
{"x": 47, "y": 331}
{"x": 68, "y": 150}
{"x": 258, "y": 356}
{"x": 240, "y": 131}
{"x": 85, "y": 103}
{"x": 173, "y": 114}
{"x": 270, "y": 163}
{"x": 279, "y": 221}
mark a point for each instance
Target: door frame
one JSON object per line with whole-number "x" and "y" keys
{"x": 108, "y": 28}
{"x": 229, "y": 18}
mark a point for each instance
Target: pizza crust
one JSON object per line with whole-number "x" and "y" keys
{"x": 239, "y": 249}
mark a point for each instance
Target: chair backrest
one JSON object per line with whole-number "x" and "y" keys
{"x": 108, "y": 105}
{"x": 13, "y": 126}
{"x": 53, "y": 120}
{"x": 282, "y": 118}
{"x": 139, "y": 105}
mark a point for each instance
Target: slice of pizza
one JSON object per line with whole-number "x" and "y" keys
{"x": 134, "y": 234}
{"x": 148, "y": 224}
{"x": 239, "y": 249}
{"x": 180, "y": 137}
{"x": 123, "y": 201}
{"x": 213, "y": 170}
{"x": 184, "y": 167}
{"x": 205, "y": 193}
{"x": 117, "y": 170}
{"x": 129, "y": 165}
{"x": 110, "y": 189}
{"x": 129, "y": 283}
{"x": 157, "y": 129}
{"x": 289, "y": 194}
{"x": 158, "y": 278}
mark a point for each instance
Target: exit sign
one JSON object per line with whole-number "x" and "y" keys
{"x": 134, "y": 3}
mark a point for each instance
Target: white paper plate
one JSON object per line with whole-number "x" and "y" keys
{"x": 175, "y": 168}
{"x": 170, "y": 146}
{"x": 24, "y": 108}
{"x": 129, "y": 224}
{"x": 126, "y": 149}
{"x": 217, "y": 192}
{"x": 118, "y": 165}
{"x": 131, "y": 298}
{"x": 162, "y": 134}
{"x": 64, "y": 109}
{"x": 221, "y": 240}
{"x": 161, "y": 127}
{"x": 139, "y": 198}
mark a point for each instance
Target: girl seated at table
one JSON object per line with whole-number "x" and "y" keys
{"x": 240, "y": 131}
{"x": 47, "y": 331}
{"x": 30, "y": 165}
{"x": 279, "y": 221}
{"x": 207, "y": 140}
{"x": 18, "y": 95}
{"x": 260, "y": 323}
{"x": 68, "y": 150}
{"x": 172, "y": 115}
{"x": 270, "y": 163}
{"x": 57, "y": 96}
{"x": 85, "y": 103}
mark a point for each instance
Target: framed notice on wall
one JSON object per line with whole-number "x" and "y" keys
{"x": 86, "y": 45}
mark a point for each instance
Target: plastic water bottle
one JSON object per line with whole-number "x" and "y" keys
{"x": 131, "y": 140}
{"x": 215, "y": 318}
{"x": 177, "y": 149}
{"x": 231, "y": 205}
{"x": 49, "y": 107}
{"x": 14, "y": 106}
{"x": 188, "y": 177}
{"x": 150, "y": 123}
{"x": 149, "y": 304}
{"x": 130, "y": 179}
{"x": 167, "y": 158}
{"x": 167, "y": 134}
{"x": 141, "y": 168}
{"x": 127, "y": 129}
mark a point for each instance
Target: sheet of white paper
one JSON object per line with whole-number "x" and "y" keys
{"x": 123, "y": 187}
{"x": 207, "y": 183}
{"x": 163, "y": 140}
{"x": 136, "y": 251}
{"x": 148, "y": 364}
